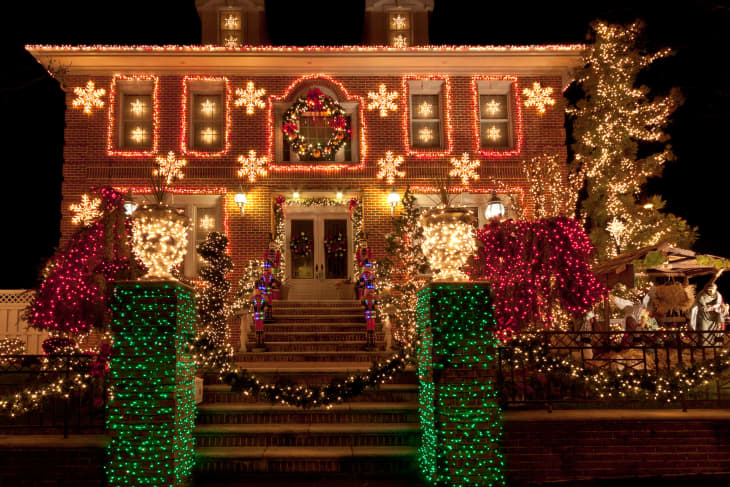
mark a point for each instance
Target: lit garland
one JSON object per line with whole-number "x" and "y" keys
{"x": 88, "y": 97}
{"x": 382, "y": 100}
{"x": 388, "y": 167}
{"x": 406, "y": 122}
{"x": 538, "y": 97}
{"x": 86, "y": 211}
{"x": 554, "y": 192}
{"x": 464, "y": 168}
{"x": 184, "y": 126}
{"x": 10, "y": 346}
{"x": 461, "y": 421}
{"x": 152, "y": 373}
{"x": 115, "y": 113}
{"x": 325, "y": 167}
{"x": 252, "y": 166}
{"x": 514, "y": 93}
{"x": 250, "y": 98}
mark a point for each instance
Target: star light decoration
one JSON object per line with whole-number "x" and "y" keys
{"x": 88, "y": 97}
{"x": 230, "y": 22}
{"x": 138, "y": 107}
{"x": 87, "y": 211}
{"x": 425, "y": 109}
{"x": 382, "y": 100}
{"x": 253, "y": 166}
{"x": 400, "y": 41}
{"x": 464, "y": 168}
{"x": 250, "y": 98}
{"x": 493, "y": 107}
{"x": 388, "y": 167}
{"x": 232, "y": 42}
{"x": 169, "y": 168}
{"x": 399, "y": 22}
{"x": 538, "y": 97}
{"x": 207, "y": 223}
{"x": 138, "y": 135}
{"x": 493, "y": 133}
{"x": 207, "y": 107}
{"x": 425, "y": 135}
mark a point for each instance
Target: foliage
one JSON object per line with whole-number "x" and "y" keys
{"x": 712, "y": 261}
{"x": 553, "y": 192}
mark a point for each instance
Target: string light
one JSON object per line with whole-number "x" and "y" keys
{"x": 464, "y": 168}
{"x": 252, "y": 166}
{"x": 388, "y": 167}
{"x": 88, "y": 97}
{"x": 382, "y": 100}
{"x": 86, "y": 211}
{"x": 250, "y": 98}
{"x": 448, "y": 242}
{"x": 538, "y": 97}
{"x": 211, "y": 135}
{"x": 406, "y": 121}
{"x": 554, "y": 193}
{"x": 512, "y": 94}
{"x": 169, "y": 168}
{"x": 139, "y": 135}
{"x": 159, "y": 239}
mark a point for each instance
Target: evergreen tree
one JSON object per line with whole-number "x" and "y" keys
{"x": 620, "y": 143}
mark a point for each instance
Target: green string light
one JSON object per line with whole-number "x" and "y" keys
{"x": 461, "y": 422}
{"x": 152, "y": 414}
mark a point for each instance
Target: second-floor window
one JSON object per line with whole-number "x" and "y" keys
{"x": 230, "y": 23}
{"x": 206, "y": 122}
{"x": 137, "y": 120}
{"x": 494, "y": 121}
{"x": 426, "y": 123}
{"x": 400, "y": 33}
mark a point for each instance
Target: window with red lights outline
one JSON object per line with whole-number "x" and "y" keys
{"x": 186, "y": 115}
{"x": 114, "y": 147}
{"x": 515, "y": 119}
{"x": 447, "y": 129}
{"x": 326, "y": 167}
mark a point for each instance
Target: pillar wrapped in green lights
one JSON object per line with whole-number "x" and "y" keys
{"x": 461, "y": 422}
{"x": 152, "y": 414}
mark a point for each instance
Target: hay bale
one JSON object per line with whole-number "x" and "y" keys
{"x": 673, "y": 298}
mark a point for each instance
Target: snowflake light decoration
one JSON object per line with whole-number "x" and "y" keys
{"x": 207, "y": 223}
{"x": 538, "y": 97}
{"x": 169, "y": 168}
{"x": 253, "y": 166}
{"x": 232, "y": 41}
{"x": 207, "y": 107}
{"x": 492, "y": 107}
{"x": 400, "y": 41}
{"x": 464, "y": 168}
{"x": 493, "y": 133}
{"x": 388, "y": 167}
{"x": 425, "y": 135}
{"x": 230, "y": 22}
{"x": 208, "y": 135}
{"x": 399, "y": 22}
{"x": 382, "y": 100}
{"x": 425, "y": 109}
{"x": 250, "y": 98}
{"x": 138, "y": 107}
{"x": 87, "y": 211}
{"x": 618, "y": 231}
{"x": 88, "y": 97}
{"x": 139, "y": 135}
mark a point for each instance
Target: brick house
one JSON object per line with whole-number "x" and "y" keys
{"x": 214, "y": 103}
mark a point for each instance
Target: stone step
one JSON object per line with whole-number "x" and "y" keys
{"x": 221, "y": 393}
{"x": 313, "y": 374}
{"x": 339, "y": 356}
{"x": 304, "y": 317}
{"x": 317, "y": 310}
{"x": 307, "y": 435}
{"x": 336, "y": 346}
{"x": 323, "y": 303}
{"x": 315, "y": 336}
{"x": 279, "y": 327}
{"x": 351, "y": 412}
{"x": 222, "y": 461}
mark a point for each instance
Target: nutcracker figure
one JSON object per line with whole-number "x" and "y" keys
{"x": 258, "y": 308}
{"x": 264, "y": 284}
{"x": 272, "y": 258}
{"x": 364, "y": 256}
{"x": 369, "y": 304}
{"x": 365, "y": 283}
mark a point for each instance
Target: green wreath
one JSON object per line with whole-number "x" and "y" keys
{"x": 335, "y": 245}
{"x": 318, "y": 103}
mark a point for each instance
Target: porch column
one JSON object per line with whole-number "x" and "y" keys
{"x": 461, "y": 422}
{"x": 152, "y": 414}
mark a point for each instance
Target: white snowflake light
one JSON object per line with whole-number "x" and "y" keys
{"x": 538, "y": 97}
{"x": 230, "y": 22}
{"x": 232, "y": 41}
{"x": 250, "y": 98}
{"x": 382, "y": 100}
{"x": 388, "y": 167}
{"x": 88, "y": 97}
{"x": 207, "y": 107}
{"x": 493, "y": 107}
{"x": 207, "y": 223}
{"x": 464, "y": 168}
{"x": 87, "y": 211}
{"x": 138, "y": 135}
{"x": 169, "y": 167}
{"x": 208, "y": 135}
{"x": 425, "y": 109}
{"x": 493, "y": 133}
{"x": 400, "y": 41}
{"x": 425, "y": 135}
{"x": 399, "y": 22}
{"x": 138, "y": 107}
{"x": 253, "y": 166}
{"x": 618, "y": 231}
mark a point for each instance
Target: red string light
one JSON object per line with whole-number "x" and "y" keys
{"x": 113, "y": 132}
{"x": 184, "y": 131}
{"x": 515, "y": 92}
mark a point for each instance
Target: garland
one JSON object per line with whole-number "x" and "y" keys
{"x": 316, "y": 104}
{"x": 335, "y": 245}
{"x": 301, "y": 244}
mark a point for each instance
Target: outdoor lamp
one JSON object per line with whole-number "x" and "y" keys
{"x": 240, "y": 200}
{"x": 495, "y": 207}
{"x": 393, "y": 199}
{"x": 339, "y": 195}
{"x": 129, "y": 205}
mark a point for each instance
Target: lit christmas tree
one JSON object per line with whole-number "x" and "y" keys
{"x": 620, "y": 143}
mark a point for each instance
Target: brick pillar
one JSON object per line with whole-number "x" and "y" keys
{"x": 461, "y": 422}
{"x": 152, "y": 415}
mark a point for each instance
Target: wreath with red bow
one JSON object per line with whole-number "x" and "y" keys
{"x": 316, "y": 104}
{"x": 335, "y": 245}
{"x": 301, "y": 245}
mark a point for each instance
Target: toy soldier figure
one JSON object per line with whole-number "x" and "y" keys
{"x": 259, "y": 308}
{"x": 369, "y": 304}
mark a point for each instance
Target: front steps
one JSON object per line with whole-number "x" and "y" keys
{"x": 310, "y": 343}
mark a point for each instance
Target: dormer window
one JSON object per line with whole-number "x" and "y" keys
{"x": 230, "y": 28}
{"x": 400, "y": 32}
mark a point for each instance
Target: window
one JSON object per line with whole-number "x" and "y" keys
{"x": 205, "y": 121}
{"x": 133, "y": 123}
{"x": 206, "y": 216}
{"x": 400, "y": 33}
{"x": 494, "y": 121}
{"x": 497, "y": 133}
{"x": 426, "y": 116}
{"x": 206, "y": 124}
{"x": 230, "y": 23}
{"x": 137, "y": 121}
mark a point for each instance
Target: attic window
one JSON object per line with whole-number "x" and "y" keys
{"x": 230, "y": 23}
{"x": 400, "y": 33}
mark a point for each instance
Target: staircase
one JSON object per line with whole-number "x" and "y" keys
{"x": 311, "y": 342}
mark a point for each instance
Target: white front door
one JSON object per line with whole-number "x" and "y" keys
{"x": 314, "y": 275}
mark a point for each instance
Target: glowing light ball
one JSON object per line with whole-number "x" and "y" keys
{"x": 159, "y": 239}
{"x": 448, "y": 241}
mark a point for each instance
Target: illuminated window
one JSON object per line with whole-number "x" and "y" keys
{"x": 425, "y": 111}
{"x": 495, "y": 117}
{"x": 230, "y": 23}
{"x": 400, "y": 33}
{"x": 137, "y": 121}
{"x": 206, "y": 122}
{"x": 206, "y": 216}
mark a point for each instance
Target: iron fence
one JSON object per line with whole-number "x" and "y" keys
{"x": 81, "y": 412}
{"x": 522, "y": 385}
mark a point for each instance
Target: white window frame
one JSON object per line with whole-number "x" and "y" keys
{"x": 426, "y": 87}
{"x": 496, "y": 87}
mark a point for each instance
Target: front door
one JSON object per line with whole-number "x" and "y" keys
{"x": 313, "y": 270}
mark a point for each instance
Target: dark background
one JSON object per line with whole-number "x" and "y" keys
{"x": 32, "y": 104}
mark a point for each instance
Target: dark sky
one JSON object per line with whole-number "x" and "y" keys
{"x": 32, "y": 105}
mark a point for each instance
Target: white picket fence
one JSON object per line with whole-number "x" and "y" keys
{"x": 12, "y": 324}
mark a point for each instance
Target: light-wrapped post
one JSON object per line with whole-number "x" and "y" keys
{"x": 461, "y": 421}
{"x": 152, "y": 414}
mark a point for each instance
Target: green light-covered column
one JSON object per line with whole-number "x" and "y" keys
{"x": 152, "y": 414}
{"x": 461, "y": 422}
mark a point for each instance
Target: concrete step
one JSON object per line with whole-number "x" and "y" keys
{"x": 322, "y": 303}
{"x": 281, "y": 327}
{"x": 388, "y": 459}
{"x": 315, "y": 336}
{"x": 307, "y": 435}
{"x": 351, "y": 412}
{"x": 336, "y": 346}
{"x": 317, "y": 310}
{"x": 221, "y": 393}
{"x": 339, "y": 356}
{"x": 306, "y": 317}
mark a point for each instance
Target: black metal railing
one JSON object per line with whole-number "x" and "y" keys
{"x": 81, "y": 412}
{"x": 523, "y": 384}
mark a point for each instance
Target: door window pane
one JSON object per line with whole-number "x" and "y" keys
{"x": 335, "y": 249}
{"x": 302, "y": 261}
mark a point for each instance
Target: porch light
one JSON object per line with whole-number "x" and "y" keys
{"x": 495, "y": 207}
{"x": 393, "y": 199}
{"x": 240, "y": 199}
{"x": 339, "y": 195}
{"x": 296, "y": 195}
{"x": 129, "y": 205}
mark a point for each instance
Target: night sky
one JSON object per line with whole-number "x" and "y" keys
{"x": 32, "y": 104}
